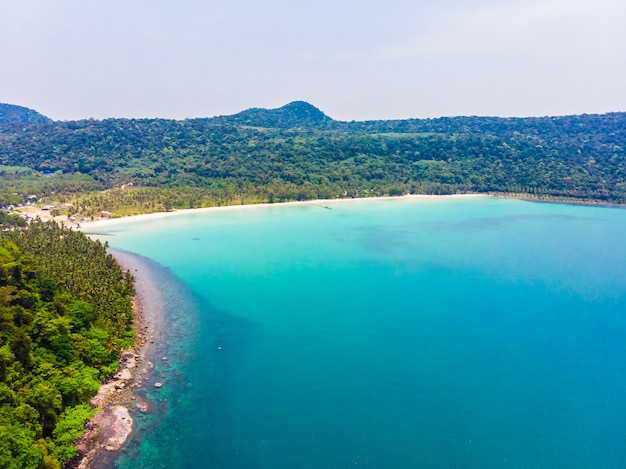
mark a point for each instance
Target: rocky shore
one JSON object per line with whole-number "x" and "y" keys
{"x": 118, "y": 400}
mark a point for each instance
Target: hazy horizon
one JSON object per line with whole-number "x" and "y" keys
{"x": 313, "y": 104}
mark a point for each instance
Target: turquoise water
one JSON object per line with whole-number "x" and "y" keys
{"x": 439, "y": 333}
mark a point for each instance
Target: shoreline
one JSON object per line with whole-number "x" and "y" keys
{"x": 554, "y": 200}
{"x": 117, "y": 400}
{"x": 102, "y": 221}
{"x": 91, "y": 225}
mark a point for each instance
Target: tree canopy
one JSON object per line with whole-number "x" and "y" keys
{"x": 65, "y": 313}
{"x": 297, "y": 152}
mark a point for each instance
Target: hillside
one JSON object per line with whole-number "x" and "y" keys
{"x": 297, "y": 114}
{"x": 65, "y": 313}
{"x": 10, "y": 114}
{"x": 297, "y": 152}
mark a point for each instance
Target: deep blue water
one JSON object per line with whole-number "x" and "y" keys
{"x": 401, "y": 333}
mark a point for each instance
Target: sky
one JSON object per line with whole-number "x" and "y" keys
{"x": 355, "y": 60}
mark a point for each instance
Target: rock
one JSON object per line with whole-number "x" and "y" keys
{"x": 116, "y": 425}
{"x": 125, "y": 374}
{"x": 144, "y": 407}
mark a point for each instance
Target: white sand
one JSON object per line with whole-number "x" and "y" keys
{"x": 94, "y": 225}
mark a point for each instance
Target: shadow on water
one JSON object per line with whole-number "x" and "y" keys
{"x": 192, "y": 349}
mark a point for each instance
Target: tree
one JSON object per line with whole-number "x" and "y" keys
{"x": 21, "y": 346}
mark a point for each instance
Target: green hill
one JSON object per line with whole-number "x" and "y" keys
{"x": 293, "y": 115}
{"x": 9, "y": 113}
{"x": 297, "y": 152}
{"x": 65, "y": 313}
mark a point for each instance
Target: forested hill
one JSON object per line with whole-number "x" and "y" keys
{"x": 10, "y": 113}
{"x": 297, "y": 152}
{"x": 65, "y": 313}
{"x": 293, "y": 115}
{"x": 561, "y": 127}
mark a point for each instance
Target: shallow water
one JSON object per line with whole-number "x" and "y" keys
{"x": 473, "y": 332}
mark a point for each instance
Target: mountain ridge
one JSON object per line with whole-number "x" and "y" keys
{"x": 12, "y": 113}
{"x": 301, "y": 114}
{"x": 292, "y": 115}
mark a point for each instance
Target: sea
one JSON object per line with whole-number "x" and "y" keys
{"x": 441, "y": 332}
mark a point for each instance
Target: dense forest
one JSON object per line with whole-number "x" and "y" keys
{"x": 65, "y": 313}
{"x": 297, "y": 152}
{"x": 10, "y": 113}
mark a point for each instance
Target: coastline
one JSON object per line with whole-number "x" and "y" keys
{"x": 91, "y": 225}
{"x": 104, "y": 221}
{"x": 554, "y": 199}
{"x": 117, "y": 399}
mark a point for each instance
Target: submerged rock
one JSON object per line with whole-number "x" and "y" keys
{"x": 144, "y": 406}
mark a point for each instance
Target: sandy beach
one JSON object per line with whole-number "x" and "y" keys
{"x": 90, "y": 226}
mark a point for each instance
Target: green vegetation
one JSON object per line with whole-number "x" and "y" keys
{"x": 297, "y": 153}
{"x": 65, "y": 313}
{"x": 18, "y": 184}
{"x": 10, "y": 113}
